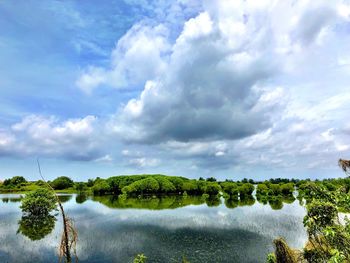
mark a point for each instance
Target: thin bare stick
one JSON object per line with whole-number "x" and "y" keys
{"x": 68, "y": 228}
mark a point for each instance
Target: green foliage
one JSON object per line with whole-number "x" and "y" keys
{"x": 213, "y": 200}
{"x": 101, "y": 187}
{"x": 212, "y": 188}
{"x": 140, "y": 258}
{"x": 287, "y": 189}
{"x": 329, "y": 238}
{"x": 319, "y": 215}
{"x": 229, "y": 188}
{"x": 15, "y": 181}
{"x": 80, "y": 198}
{"x": 275, "y": 189}
{"x": 246, "y": 189}
{"x": 262, "y": 189}
{"x": 90, "y": 183}
{"x": 144, "y": 186}
{"x": 36, "y": 227}
{"x": 165, "y": 186}
{"x": 190, "y": 187}
{"x": 80, "y": 187}
{"x": 246, "y": 200}
{"x": 39, "y": 202}
{"x": 62, "y": 182}
{"x": 211, "y": 179}
{"x": 271, "y": 258}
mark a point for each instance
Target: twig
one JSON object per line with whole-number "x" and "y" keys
{"x": 68, "y": 227}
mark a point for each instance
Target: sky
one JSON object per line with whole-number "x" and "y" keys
{"x": 229, "y": 88}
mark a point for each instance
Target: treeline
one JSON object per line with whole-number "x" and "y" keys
{"x": 134, "y": 185}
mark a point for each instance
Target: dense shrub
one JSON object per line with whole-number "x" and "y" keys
{"x": 212, "y": 188}
{"x": 287, "y": 189}
{"x": 165, "y": 186}
{"x": 275, "y": 189}
{"x": 262, "y": 189}
{"x": 14, "y": 181}
{"x": 246, "y": 189}
{"x": 229, "y": 188}
{"x": 39, "y": 202}
{"x": 80, "y": 186}
{"x": 144, "y": 186}
{"x": 101, "y": 187}
{"x": 62, "y": 182}
{"x": 190, "y": 187}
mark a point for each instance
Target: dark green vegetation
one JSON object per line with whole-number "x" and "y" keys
{"x": 36, "y": 227}
{"x": 36, "y": 221}
{"x": 39, "y": 202}
{"x": 328, "y": 231}
{"x": 329, "y": 235}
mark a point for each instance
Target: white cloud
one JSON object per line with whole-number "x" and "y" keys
{"x": 138, "y": 56}
{"x": 47, "y": 136}
{"x": 236, "y": 85}
{"x": 144, "y": 162}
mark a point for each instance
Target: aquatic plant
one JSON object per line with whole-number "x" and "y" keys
{"x": 140, "y": 258}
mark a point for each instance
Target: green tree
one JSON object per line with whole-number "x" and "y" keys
{"x": 62, "y": 182}
{"x": 287, "y": 189}
{"x": 101, "y": 187}
{"x": 212, "y": 188}
{"x": 262, "y": 189}
{"x": 39, "y": 202}
{"x": 246, "y": 189}
{"x": 80, "y": 187}
{"x": 14, "y": 181}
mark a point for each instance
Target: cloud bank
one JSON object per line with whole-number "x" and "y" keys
{"x": 230, "y": 86}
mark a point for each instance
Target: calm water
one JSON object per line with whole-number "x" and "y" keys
{"x": 164, "y": 229}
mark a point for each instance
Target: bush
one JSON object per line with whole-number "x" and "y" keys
{"x": 287, "y": 189}
{"x": 165, "y": 186}
{"x": 212, "y": 188}
{"x": 271, "y": 258}
{"x": 101, "y": 187}
{"x": 144, "y": 186}
{"x": 262, "y": 189}
{"x": 229, "y": 188}
{"x": 190, "y": 186}
{"x": 140, "y": 258}
{"x": 275, "y": 189}
{"x": 80, "y": 186}
{"x": 62, "y": 182}
{"x": 14, "y": 181}
{"x": 39, "y": 202}
{"x": 246, "y": 189}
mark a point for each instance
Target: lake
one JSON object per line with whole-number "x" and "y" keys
{"x": 164, "y": 229}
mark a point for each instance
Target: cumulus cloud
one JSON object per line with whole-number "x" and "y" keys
{"x": 218, "y": 84}
{"x": 209, "y": 90}
{"x": 47, "y": 136}
{"x": 233, "y": 87}
{"x": 138, "y": 56}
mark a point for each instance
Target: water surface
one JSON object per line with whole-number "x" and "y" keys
{"x": 164, "y": 229}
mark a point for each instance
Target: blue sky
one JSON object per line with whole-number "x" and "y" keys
{"x": 229, "y": 89}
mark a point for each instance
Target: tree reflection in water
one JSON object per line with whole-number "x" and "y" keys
{"x": 36, "y": 227}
